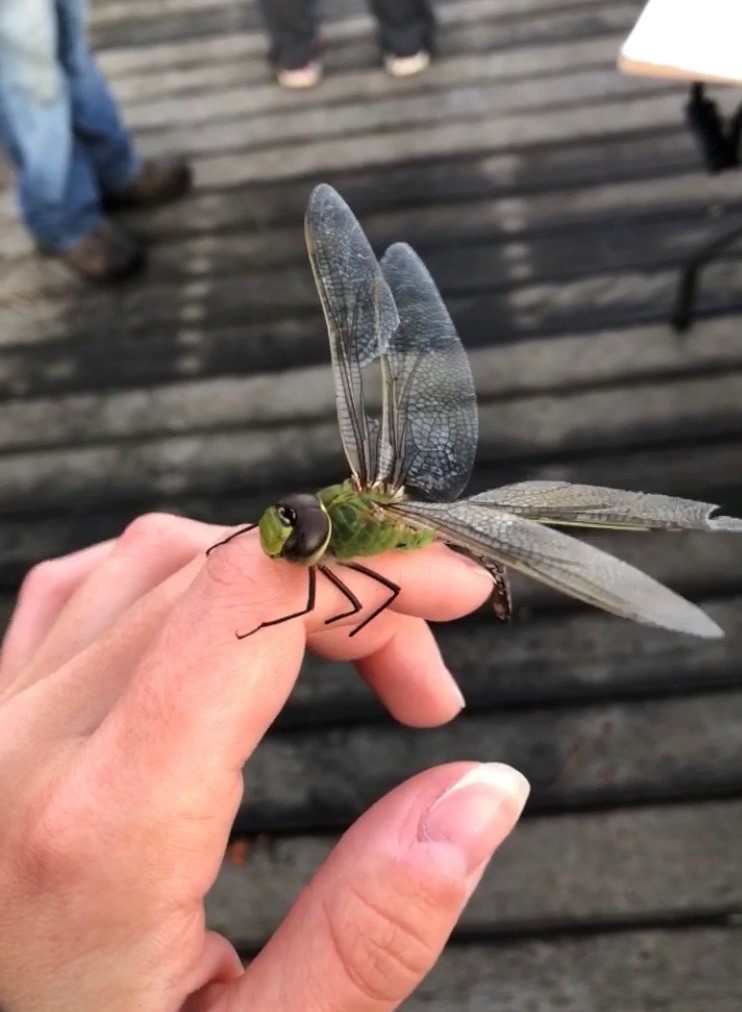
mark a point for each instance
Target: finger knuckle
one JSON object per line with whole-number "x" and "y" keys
{"x": 146, "y": 530}
{"x": 44, "y": 581}
{"x": 385, "y": 939}
{"x": 54, "y": 848}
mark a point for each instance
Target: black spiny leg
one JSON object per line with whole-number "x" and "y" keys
{"x": 502, "y": 598}
{"x": 235, "y": 534}
{"x": 395, "y": 589}
{"x": 297, "y": 614}
{"x": 346, "y": 592}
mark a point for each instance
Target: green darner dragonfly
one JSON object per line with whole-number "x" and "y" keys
{"x": 410, "y": 465}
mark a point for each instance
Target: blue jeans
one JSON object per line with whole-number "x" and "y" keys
{"x": 58, "y": 121}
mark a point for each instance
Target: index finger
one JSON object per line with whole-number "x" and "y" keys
{"x": 204, "y": 698}
{"x": 44, "y": 593}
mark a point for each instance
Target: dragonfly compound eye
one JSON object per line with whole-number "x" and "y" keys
{"x": 310, "y": 529}
{"x": 286, "y": 516}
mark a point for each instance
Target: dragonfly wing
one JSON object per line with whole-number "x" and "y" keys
{"x": 560, "y": 502}
{"x": 562, "y": 562}
{"x": 430, "y": 425}
{"x": 360, "y": 313}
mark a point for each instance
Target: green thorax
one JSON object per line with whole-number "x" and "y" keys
{"x": 359, "y": 527}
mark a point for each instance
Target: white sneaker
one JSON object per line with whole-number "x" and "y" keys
{"x": 406, "y": 66}
{"x": 299, "y": 77}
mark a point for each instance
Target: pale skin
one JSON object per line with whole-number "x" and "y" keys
{"x": 127, "y": 710}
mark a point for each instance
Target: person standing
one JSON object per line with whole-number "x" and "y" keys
{"x": 73, "y": 157}
{"x": 405, "y": 32}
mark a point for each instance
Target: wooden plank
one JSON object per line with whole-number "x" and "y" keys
{"x": 115, "y": 12}
{"x": 332, "y": 9}
{"x": 171, "y": 27}
{"x": 258, "y": 112}
{"x": 502, "y": 252}
{"x": 553, "y": 874}
{"x": 650, "y": 154}
{"x": 707, "y": 470}
{"x": 239, "y": 125}
{"x": 519, "y": 387}
{"x": 468, "y": 137}
{"x": 213, "y": 76}
{"x": 354, "y": 46}
{"x": 584, "y": 421}
{"x": 132, "y": 59}
{"x": 500, "y": 130}
{"x": 539, "y": 660}
{"x": 679, "y": 200}
{"x": 502, "y": 191}
{"x": 694, "y": 970}
{"x": 280, "y": 320}
{"x": 413, "y": 188}
{"x": 599, "y": 754}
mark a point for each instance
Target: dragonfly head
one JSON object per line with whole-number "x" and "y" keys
{"x": 296, "y": 529}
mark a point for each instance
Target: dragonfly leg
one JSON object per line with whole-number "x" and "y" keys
{"x": 296, "y": 614}
{"x": 502, "y": 598}
{"x": 346, "y": 592}
{"x": 394, "y": 587}
{"x": 235, "y": 534}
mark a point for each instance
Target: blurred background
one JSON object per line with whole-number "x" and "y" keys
{"x": 553, "y": 200}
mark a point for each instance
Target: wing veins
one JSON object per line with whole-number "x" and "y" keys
{"x": 563, "y": 562}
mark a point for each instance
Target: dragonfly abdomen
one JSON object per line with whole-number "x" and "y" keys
{"x": 357, "y": 529}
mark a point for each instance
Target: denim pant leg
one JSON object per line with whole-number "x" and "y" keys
{"x": 292, "y": 27}
{"x": 96, "y": 121}
{"x": 56, "y": 187}
{"x": 405, "y": 26}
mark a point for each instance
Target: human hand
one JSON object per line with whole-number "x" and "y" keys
{"x": 127, "y": 710}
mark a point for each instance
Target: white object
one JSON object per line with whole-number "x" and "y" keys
{"x": 699, "y": 40}
{"x": 406, "y": 66}
{"x": 300, "y": 77}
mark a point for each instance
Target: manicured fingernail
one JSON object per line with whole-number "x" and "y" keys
{"x": 477, "y": 812}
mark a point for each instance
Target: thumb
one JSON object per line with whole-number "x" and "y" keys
{"x": 374, "y": 919}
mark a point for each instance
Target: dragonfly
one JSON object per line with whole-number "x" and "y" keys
{"x": 411, "y": 460}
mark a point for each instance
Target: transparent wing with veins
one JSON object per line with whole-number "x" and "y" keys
{"x": 361, "y": 317}
{"x": 556, "y": 559}
{"x": 430, "y": 426}
{"x": 562, "y": 503}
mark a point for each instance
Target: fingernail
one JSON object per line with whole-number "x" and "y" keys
{"x": 477, "y": 567}
{"x": 469, "y": 815}
{"x": 458, "y": 694}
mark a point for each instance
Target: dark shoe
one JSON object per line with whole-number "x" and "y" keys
{"x": 160, "y": 181}
{"x": 104, "y": 255}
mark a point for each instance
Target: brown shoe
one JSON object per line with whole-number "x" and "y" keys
{"x": 160, "y": 180}
{"x": 104, "y": 255}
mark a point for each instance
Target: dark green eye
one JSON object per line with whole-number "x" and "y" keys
{"x": 286, "y": 516}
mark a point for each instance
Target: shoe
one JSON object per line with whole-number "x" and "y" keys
{"x": 104, "y": 255}
{"x": 407, "y": 66}
{"x": 159, "y": 181}
{"x": 299, "y": 77}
